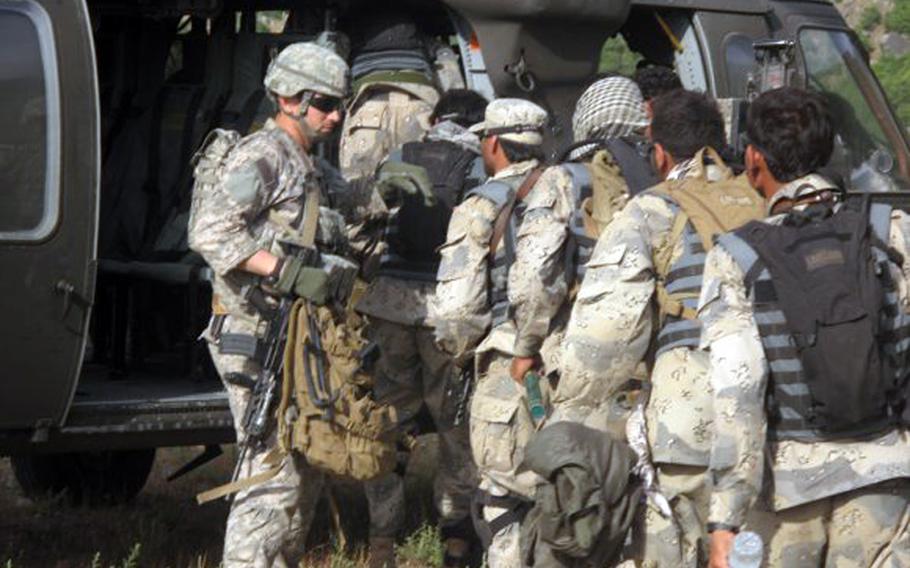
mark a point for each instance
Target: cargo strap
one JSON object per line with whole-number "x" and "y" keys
{"x": 274, "y": 458}
{"x": 380, "y": 77}
{"x": 505, "y": 214}
{"x": 516, "y": 510}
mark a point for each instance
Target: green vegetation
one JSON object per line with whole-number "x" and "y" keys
{"x": 898, "y": 19}
{"x": 870, "y": 18}
{"x": 894, "y": 74}
{"x": 616, "y": 56}
{"x": 423, "y": 548}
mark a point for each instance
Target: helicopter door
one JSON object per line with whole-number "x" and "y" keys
{"x": 49, "y": 172}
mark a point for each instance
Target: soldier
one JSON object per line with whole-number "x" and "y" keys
{"x": 655, "y": 80}
{"x": 487, "y": 309}
{"x": 804, "y": 316}
{"x": 266, "y": 183}
{"x": 609, "y": 159}
{"x": 639, "y": 297}
{"x": 412, "y": 371}
{"x": 394, "y": 92}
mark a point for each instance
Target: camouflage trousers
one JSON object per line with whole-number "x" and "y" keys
{"x": 268, "y": 524}
{"x": 501, "y": 427}
{"x": 412, "y": 372}
{"x": 681, "y": 540}
{"x": 863, "y": 528}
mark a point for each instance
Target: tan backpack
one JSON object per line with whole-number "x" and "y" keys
{"x": 329, "y": 413}
{"x": 712, "y": 208}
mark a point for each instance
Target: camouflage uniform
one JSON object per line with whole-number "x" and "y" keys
{"x": 500, "y": 422}
{"x": 382, "y": 116}
{"x": 413, "y": 371}
{"x": 834, "y": 503}
{"x": 609, "y": 335}
{"x": 265, "y": 173}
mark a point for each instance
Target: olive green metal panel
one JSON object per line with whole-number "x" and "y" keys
{"x": 49, "y": 165}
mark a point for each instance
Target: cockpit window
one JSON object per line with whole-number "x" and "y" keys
{"x": 871, "y": 153}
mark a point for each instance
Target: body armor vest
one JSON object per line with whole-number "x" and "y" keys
{"x": 581, "y": 244}
{"x": 416, "y": 231}
{"x": 499, "y": 192}
{"x": 683, "y": 279}
{"x": 790, "y": 405}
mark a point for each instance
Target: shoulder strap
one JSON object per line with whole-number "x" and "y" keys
{"x": 880, "y": 221}
{"x": 505, "y": 214}
{"x": 635, "y": 166}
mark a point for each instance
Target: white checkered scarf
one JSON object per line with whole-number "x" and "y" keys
{"x": 609, "y": 108}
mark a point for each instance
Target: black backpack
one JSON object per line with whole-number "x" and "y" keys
{"x": 421, "y": 229}
{"x": 830, "y": 284}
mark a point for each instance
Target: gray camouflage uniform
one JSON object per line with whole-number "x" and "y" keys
{"x": 835, "y": 503}
{"x": 500, "y": 422}
{"x": 610, "y": 333}
{"x": 265, "y": 173}
{"x": 413, "y": 371}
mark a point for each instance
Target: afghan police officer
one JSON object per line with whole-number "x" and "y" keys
{"x": 638, "y": 297}
{"x": 394, "y": 91}
{"x": 423, "y": 181}
{"x": 805, "y": 315}
{"x": 483, "y": 307}
{"x": 244, "y": 202}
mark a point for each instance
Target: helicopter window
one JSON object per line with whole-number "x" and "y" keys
{"x": 29, "y": 124}
{"x": 871, "y": 150}
{"x": 740, "y": 60}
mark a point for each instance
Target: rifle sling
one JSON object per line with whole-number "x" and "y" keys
{"x": 505, "y": 214}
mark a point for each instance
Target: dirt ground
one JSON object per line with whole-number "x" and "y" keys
{"x": 164, "y": 527}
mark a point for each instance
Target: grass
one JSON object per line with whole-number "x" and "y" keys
{"x": 164, "y": 528}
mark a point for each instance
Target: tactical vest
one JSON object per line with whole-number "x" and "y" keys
{"x": 499, "y": 192}
{"x": 682, "y": 281}
{"x": 589, "y": 184}
{"x": 582, "y": 241}
{"x": 789, "y": 401}
{"x": 417, "y": 231}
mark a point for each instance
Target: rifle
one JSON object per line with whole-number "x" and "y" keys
{"x": 264, "y": 389}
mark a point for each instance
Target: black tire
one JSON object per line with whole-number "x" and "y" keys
{"x": 94, "y": 479}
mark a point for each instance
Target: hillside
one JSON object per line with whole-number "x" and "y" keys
{"x": 884, "y": 26}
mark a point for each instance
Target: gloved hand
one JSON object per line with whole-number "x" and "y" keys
{"x": 297, "y": 279}
{"x": 396, "y": 179}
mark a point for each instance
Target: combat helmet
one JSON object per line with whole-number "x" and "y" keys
{"x": 307, "y": 66}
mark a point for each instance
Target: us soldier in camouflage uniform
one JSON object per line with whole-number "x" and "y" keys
{"x": 836, "y": 502}
{"x": 412, "y": 370}
{"x": 236, "y": 225}
{"x": 615, "y": 326}
{"x": 502, "y": 314}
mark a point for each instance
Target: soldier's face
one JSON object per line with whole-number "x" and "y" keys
{"x": 323, "y": 115}
{"x": 488, "y": 148}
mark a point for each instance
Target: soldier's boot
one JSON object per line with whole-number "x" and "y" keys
{"x": 382, "y": 552}
{"x": 457, "y": 553}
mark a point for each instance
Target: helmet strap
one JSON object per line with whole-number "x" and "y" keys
{"x": 311, "y": 134}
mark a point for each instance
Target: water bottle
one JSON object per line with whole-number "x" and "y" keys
{"x": 747, "y": 551}
{"x": 535, "y": 399}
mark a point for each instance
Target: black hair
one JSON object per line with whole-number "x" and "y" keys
{"x": 684, "y": 122}
{"x": 792, "y": 129}
{"x": 655, "y": 80}
{"x": 517, "y": 152}
{"x": 461, "y": 106}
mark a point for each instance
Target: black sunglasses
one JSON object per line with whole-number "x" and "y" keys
{"x": 326, "y": 104}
